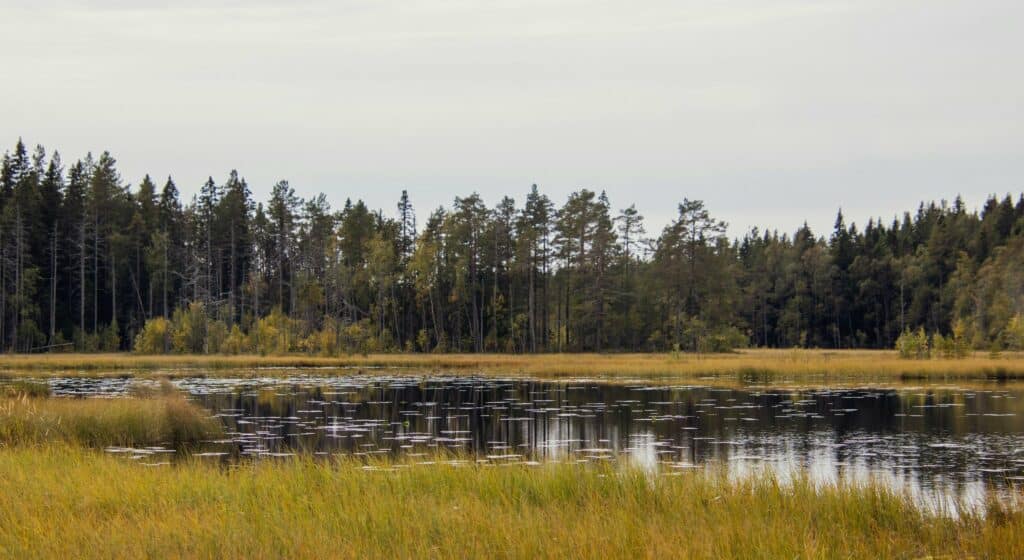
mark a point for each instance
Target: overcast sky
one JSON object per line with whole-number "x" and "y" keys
{"x": 773, "y": 112}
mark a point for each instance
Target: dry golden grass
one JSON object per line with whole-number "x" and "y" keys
{"x": 167, "y": 420}
{"x": 61, "y": 502}
{"x": 751, "y": 365}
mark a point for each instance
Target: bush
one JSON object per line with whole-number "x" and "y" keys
{"x": 274, "y": 334}
{"x": 29, "y": 336}
{"x": 216, "y": 334}
{"x": 236, "y": 342}
{"x": 725, "y": 339}
{"x": 961, "y": 346}
{"x": 913, "y": 345}
{"x": 60, "y": 344}
{"x": 155, "y": 337}
{"x": 942, "y": 345}
{"x": 323, "y": 342}
{"x": 110, "y": 338}
{"x": 423, "y": 340}
{"x": 86, "y": 342}
{"x": 1013, "y": 335}
{"x": 189, "y": 333}
{"x": 358, "y": 337}
{"x": 954, "y": 346}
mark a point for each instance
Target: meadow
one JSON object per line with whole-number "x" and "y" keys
{"x": 66, "y": 501}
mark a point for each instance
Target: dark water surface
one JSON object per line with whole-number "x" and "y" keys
{"x": 945, "y": 442}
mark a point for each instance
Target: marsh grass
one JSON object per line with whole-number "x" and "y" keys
{"x": 59, "y": 501}
{"x": 25, "y": 388}
{"x": 165, "y": 420}
{"x": 750, "y": 365}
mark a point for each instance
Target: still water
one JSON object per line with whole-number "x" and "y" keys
{"x": 938, "y": 443}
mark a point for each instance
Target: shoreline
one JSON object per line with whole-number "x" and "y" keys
{"x": 747, "y": 365}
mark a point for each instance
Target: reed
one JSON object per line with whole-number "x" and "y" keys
{"x": 25, "y": 388}
{"x": 60, "y": 501}
{"x": 749, "y": 365}
{"x": 167, "y": 420}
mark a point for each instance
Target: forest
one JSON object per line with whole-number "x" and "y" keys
{"x": 91, "y": 263}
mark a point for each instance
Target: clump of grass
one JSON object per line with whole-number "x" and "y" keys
{"x": 163, "y": 388}
{"x": 60, "y": 502}
{"x": 168, "y": 420}
{"x": 25, "y": 387}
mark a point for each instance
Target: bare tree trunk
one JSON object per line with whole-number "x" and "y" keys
{"x": 256, "y": 294}
{"x": 532, "y": 297}
{"x": 231, "y": 293}
{"x": 167, "y": 241}
{"x": 544, "y": 331}
{"x": 113, "y": 288}
{"x": 81, "y": 278}
{"x": 209, "y": 263}
{"x": 3, "y": 291}
{"x": 53, "y": 286}
{"x": 558, "y": 320}
{"x": 280, "y": 271}
{"x": 511, "y": 308}
{"x": 96, "y": 276}
{"x": 17, "y": 278}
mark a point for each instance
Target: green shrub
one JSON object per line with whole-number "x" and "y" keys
{"x": 189, "y": 333}
{"x": 961, "y": 346}
{"x": 913, "y": 345}
{"x": 1013, "y": 335}
{"x": 274, "y": 334}
{"x": 216, "y": 334}
{"x": 423, "y": 340}
{"x": 236, "y": 342}
{"x": 358, "y": 337}
{"x": 323, "y": 342}
{"x": 155, "y": 337}
{"x": 725, "y": 339}
{"x": 86, "y": 342}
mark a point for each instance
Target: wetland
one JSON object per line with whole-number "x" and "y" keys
{"x": 336, "y": 461}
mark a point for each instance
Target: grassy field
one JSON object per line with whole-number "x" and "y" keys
{"x": 755, "y": 365}
{"x": 59, "y": 501}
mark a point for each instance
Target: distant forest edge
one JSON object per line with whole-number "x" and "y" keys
{"x": 89, "y": 263}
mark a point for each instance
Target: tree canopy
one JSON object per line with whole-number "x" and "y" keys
{"x": 88, "y": 262}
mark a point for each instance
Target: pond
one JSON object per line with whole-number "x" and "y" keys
{"x": 939, "y": 443}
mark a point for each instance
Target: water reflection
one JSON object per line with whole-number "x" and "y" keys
{"x": 957, "y": 440}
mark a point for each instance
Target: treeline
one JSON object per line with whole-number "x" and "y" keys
{"x": 90, "y": 263}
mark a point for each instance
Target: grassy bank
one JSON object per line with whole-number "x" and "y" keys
{"x": 69, "y": 502}
{"x": 164, "y": 420}
{"x": 758, "y": 365}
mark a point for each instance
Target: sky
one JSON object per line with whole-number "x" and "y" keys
{"x": 771, "y": 111}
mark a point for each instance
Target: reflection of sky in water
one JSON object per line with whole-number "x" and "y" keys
{"x": 936, "y": 443}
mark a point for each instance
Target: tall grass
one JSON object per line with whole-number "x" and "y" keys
{"x": 68, "y": 502}
{"x": 166, "y": 420}
{"x": 25, "y": 388}
{"x": 759, "y": 365}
